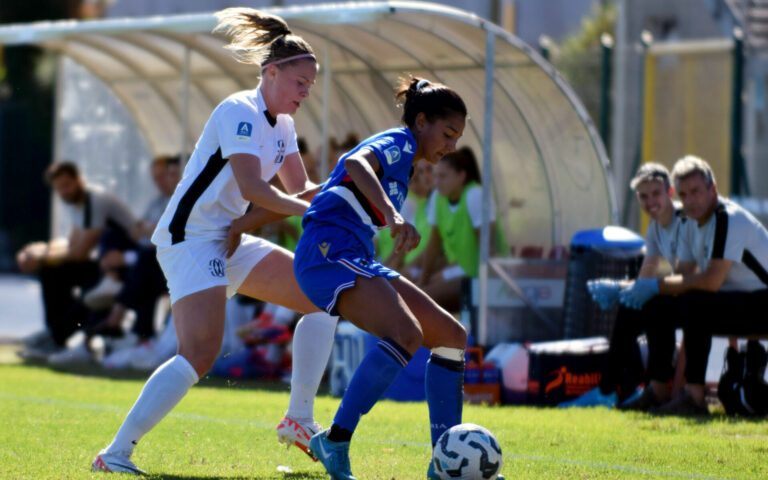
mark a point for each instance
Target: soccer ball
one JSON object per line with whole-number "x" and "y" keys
{"x": 467, "y": 452}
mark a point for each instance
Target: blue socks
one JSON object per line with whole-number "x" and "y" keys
{"x": 444, "y": 385}
{"x": 373, "y": 376}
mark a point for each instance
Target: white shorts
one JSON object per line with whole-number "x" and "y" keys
{"x": 195, "y": 265}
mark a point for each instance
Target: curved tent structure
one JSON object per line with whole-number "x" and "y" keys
{"x": 541, "y": 157}
{"x": 549, "y": 168}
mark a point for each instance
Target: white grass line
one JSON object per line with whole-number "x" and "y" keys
{"x": 204, "y": 418}
{"x": 607, "y": 466}
{"x": 110, "y": 408}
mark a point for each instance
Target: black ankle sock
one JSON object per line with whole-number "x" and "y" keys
{"x": 338, "y": 434}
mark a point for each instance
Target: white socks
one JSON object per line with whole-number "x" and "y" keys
{"x": 312, "y": 345}
{"x": 164, "y": 389}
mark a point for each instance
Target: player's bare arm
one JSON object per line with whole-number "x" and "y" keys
{"x": 362, "y": 168}
{"x": 247, "y": 171}
{"x": 293, "y": 175}
{"x": 257, "y": 217}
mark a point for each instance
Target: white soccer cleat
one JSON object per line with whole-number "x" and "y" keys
{"x": 298, "y": 433}
{"x": 117, "y": 462}
{"x": 79, "y": 354}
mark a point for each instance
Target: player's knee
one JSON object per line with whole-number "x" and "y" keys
{"x": 410, "y": 338}
{"x": 455, "y": 335}
{"x": 201, "y": 358}
{"x": 451, "y": 333}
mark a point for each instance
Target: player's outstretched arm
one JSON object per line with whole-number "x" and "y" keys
{"x": 257, "y": 217}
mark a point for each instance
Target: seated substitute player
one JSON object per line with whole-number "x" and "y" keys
{"x": 456, "y": 217}
{"x": 623, "y": 369}
{"x": 727, "y": 249}
{"x": 248, "y": 139}
{"x": 336, "y": 268}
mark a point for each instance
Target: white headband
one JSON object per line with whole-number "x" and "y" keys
{"x": 288, "y": 59}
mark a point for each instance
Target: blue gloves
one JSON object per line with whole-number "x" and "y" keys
{"x": 640, "y": 292}
{"x": 604, "y": 291}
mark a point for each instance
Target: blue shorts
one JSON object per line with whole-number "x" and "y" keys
{"x": 328, "y": 260}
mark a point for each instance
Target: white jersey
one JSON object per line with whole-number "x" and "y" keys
{"x": 208, "y": 198}
{"x": 733, "y": 234}
{"x": 664, "y": 241}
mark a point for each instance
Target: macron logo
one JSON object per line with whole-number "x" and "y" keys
{"x": 407, "y": 147}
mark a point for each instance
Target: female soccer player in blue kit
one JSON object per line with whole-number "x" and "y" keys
{"x": 336, "y": 269}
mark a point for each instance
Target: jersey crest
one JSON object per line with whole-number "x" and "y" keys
{"x": 392, "y": 155}
{"x": 280, "y": 151}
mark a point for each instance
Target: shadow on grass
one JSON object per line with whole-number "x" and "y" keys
{"x": 96, "y": 370}
{"x": 289, "y": 476}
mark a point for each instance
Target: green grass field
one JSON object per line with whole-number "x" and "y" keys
{"x": 52, "y": 424}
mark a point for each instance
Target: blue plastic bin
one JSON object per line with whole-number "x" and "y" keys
{"x": 610, "y": 252}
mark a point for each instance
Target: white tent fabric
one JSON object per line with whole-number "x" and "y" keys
{"x": 550, "y": 174}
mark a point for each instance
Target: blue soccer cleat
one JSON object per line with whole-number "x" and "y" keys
{"x": 593, "y": 398}
{"x": 333, "y": 455}
{"x": 637, "y": 394}
{"x": 431, "y": 475}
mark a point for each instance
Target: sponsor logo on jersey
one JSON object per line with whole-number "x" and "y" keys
{"x": 216, "y": 267}
{"x": 408, "y": 148}
{"x": 244, "y": 130}
{"x": 392, "y": 154}
{"x": 324, "y": 248}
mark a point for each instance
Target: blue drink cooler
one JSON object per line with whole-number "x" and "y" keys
{"x": 350, "y": 346}
{"x": 610, "y": 252}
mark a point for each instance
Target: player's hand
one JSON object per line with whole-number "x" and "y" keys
{"x": 407, "y": 238}
{"x": 29, "y": 259}
{"x": 405, "y": 235}
{"x": 234, "y": 233}
{"x": 639, "y": 292}
{"x": 604, "y": 291}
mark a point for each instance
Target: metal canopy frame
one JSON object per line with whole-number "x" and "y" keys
{"x": 542, "y": 146}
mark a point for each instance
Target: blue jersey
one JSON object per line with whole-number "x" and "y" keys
{"x": 342, "y": 204}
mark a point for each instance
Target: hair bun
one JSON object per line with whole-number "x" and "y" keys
{"x": 422, "y": 83}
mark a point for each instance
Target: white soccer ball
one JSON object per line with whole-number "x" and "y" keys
{"x": 467, "y": 452}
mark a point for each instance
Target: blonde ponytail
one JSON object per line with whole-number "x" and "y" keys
{"x": 258, "y": 38}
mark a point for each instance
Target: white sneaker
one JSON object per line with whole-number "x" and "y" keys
{"x": 297, "y": 432}
{"x": 76, "y": 354}
{"x": 117, "y": 359}
{"x": 117, "y": 462}
{"x": 103, "y": 295}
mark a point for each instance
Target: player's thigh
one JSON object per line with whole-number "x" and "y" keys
{"x": 440, "y": 328}
{"x": 376, "y": 307}
{"x": 272, "y": 280}
{"x": 199, "y": 322}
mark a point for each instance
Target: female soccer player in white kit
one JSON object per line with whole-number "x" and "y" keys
{"x": 248, "y": 139}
